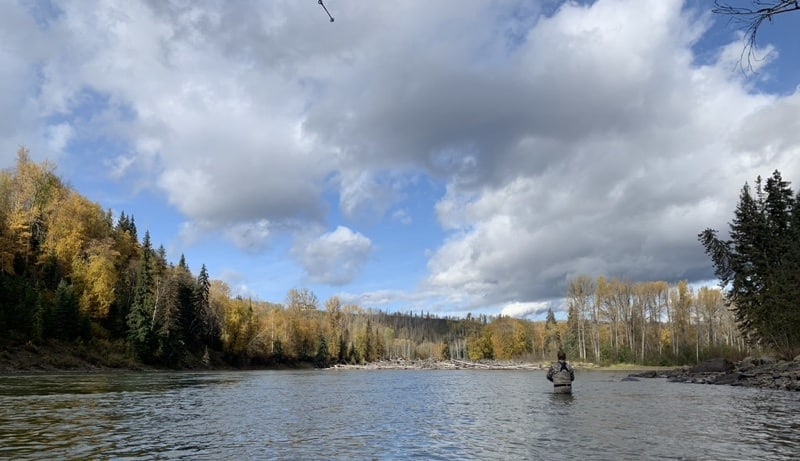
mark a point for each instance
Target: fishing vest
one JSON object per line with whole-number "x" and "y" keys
{"x": 562, "y": 378}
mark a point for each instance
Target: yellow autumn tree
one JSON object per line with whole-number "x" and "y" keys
{"x": 28, "y": 191}
{"x": 74, "y": 223}
{"x": 97, "y": 276}
{"x": 510, "y": 338}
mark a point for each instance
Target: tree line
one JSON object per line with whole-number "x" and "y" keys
{"x": 71, "y": 271}
{"x": 609, "y": 321}
{"x": 648, "y": 322}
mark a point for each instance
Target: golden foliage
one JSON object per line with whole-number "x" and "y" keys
{"x": 98, "y": 277}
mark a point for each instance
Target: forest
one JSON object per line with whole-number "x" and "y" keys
{"x": 75, "y": 273}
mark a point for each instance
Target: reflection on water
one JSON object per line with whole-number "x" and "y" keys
{"x": 330, "y": 414}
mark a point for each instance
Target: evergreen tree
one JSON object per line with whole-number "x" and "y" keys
{"x": 759, "y": 264}
{"x": 277, "y": 350}
{"x": 572, "y": 339}
{"x": 66, "y": 317}
{"x": 209, "y": 325}
{"x": 321, "y": 359}
{"x": 342, "y": 357}
{"x": 553, "y": 337}
{"x": 167, "y": 322}
{"x": 139, "y": 322}
{"x": 187, "y": 308}
{"x": 368, "y": 349}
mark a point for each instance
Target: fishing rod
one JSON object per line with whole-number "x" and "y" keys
{"x": 326, "y": 10}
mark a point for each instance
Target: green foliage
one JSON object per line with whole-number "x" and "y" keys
{"x": 760, "y": 264}
{"x": 553, "y": 338}
{"x": 140, "y": 327}
{"x": 67, "y": 319}
{"x": 322, "y": 359}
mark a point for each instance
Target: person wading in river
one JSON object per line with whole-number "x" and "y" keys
{"x": 561, "y": 374}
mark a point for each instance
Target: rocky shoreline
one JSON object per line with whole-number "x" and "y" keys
{"x": 762, "y": 372}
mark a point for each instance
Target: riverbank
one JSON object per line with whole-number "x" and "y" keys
{"x": 55, "y": 355}
{"x": 105, "y": 356}
{"x": 762, "y": 372}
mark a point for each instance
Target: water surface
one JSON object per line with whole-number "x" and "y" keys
{"x": 388, "y": 414}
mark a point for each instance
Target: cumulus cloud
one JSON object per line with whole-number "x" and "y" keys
{"x": 587, "y": 140}
{"x": 204, "y": 111}
{"x": 525, "y": 309}
{"x": 620, "y": 166}
{"x": 20, "y": 122}
{"x": 333, "y": 258}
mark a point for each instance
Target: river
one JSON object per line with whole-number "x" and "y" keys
{"x": 388, "y": 414}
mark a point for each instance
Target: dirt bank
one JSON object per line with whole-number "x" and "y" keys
{"x": 58, "y": 356}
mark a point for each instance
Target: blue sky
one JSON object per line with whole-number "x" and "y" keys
{"x": 447, "y": 156}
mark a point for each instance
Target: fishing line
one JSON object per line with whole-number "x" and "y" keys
{"x": 326, "y": 10}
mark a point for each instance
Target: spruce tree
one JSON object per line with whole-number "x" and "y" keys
{"x": 140, "y": 333}
{"x": 553, "y": 337}
{"x": 321, "y": 359}
{"x": 167, "y": 321}
{"x": 67, "y": 319}
{"x": 759, "y": 265}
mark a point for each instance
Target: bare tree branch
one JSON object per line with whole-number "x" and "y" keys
{"x": 752, "y": 18}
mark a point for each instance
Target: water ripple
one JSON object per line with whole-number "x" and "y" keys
{"x": 387, "y": 415}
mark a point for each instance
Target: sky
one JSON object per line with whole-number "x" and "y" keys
{"x": 447, "y": 157}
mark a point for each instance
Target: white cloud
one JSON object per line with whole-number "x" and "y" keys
{"x": 591, "y": 141}
{"x": 519, "y": 310}
{"x": 622, "y": 164}
{"x": 58, "y": 136}
{"x": 334, "y": 258}
{"x": 362, "y": 195}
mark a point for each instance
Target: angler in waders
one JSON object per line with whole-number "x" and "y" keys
{"x": 561, "y": 374}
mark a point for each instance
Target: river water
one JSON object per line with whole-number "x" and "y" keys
{"x": 388, "y": 414}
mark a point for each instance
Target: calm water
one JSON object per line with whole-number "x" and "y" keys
{"x": 335, "y": 414}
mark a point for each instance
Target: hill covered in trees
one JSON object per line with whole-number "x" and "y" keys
{"x": 74, "y": 273}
